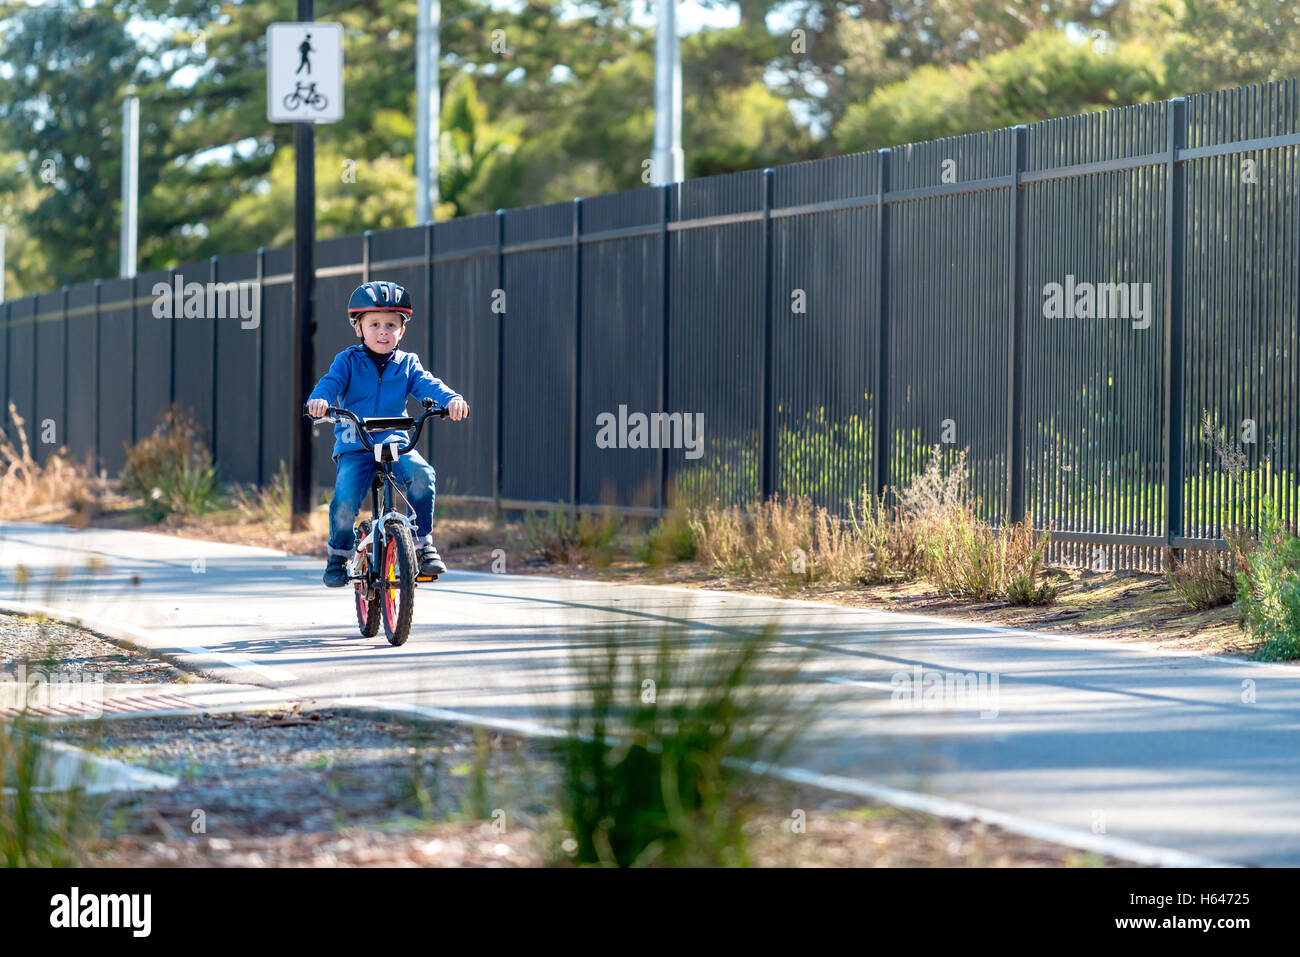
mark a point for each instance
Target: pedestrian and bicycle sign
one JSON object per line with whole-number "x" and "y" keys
{"x": 304, "y": 72}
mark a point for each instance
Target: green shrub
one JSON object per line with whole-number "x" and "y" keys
{"x": 561, "y": 537}
{"x": 657, "y": 765}
{"x": 171, "y": 470}
{"x": 1023, "y": 560}
{"x": 671, "y": 539}
{"x": 1268, "y": 589}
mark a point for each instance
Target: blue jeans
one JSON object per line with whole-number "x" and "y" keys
{"x": 351, "y": 488}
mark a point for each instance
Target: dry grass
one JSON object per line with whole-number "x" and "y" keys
{"x": 29, "y": 488}
{"x": 932, "y": 531}
{"x": 1203, "y": 580}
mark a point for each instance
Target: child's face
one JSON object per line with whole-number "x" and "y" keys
{"x": 381, "y": 331}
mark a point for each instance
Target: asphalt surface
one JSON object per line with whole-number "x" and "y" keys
{"x": 1192, "y": 753}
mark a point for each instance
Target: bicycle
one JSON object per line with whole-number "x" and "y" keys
{"x": 305, "y": 94}
{"x": 383, "y": 568}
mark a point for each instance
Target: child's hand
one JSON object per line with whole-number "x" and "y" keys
{"x": 458, "y": 409}
{"x": 316, "y": 408}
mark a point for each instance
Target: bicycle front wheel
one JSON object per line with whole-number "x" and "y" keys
{"x": 397, "y": 585}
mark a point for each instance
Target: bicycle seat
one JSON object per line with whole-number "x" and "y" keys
{"x": 380, "y": 424}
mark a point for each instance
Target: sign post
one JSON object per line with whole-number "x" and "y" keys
{"x": 304, "y": 86}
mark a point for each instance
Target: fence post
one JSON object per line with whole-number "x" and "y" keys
{"x": 33, "y": 420}
{"x": 99, "y": 294}
{"x": 880, "y": 438}
{"x": 767, "y": 450}
{"x": 1016, "y": 335}
{"x": 428, "y": 298}
{"x": 261, "y": 359}
{"x": 4, "y": 368}
{"x": 213, "y": 266}
{"x": 500, "y": 390}
{"x": 575, "y": 396}
{"x": 665, "y": 303}
{"x": 1175, "y": 220}
{"x": 365, "y": 256}
{"x": 63, "y": 414}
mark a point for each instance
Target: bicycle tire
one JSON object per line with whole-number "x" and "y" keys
{"x": 398, "y": 592}
{"x": 319, "y": 102}
{"x": 369, "y": 612}
{"x": 292, "y": 101}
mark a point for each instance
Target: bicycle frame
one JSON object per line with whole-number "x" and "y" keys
{"x": 379, "y": 518}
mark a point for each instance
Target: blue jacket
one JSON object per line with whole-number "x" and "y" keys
{"x": 353, "y": 383}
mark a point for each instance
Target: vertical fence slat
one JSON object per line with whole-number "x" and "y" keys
{"x": 575, "y": 389}
{"x": 1016, "y": 335}
{"x": 497, "y": 464}
{"x": 1175, "y": 223}
{"x": 880, "y": 418}
{"x": 767, "y": 414}
{"x": 665, "y": 301}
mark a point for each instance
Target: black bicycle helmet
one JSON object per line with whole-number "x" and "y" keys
{"x": 379, "y": 296}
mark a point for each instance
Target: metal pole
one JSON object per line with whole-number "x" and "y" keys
{"x": 130, "y": 184}
{"x": 428, "y": 23}
{"x": 667, "y": 162}
{"x": 304, "y": 234}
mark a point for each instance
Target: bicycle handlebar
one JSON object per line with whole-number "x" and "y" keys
{"x": 331, "y": 413}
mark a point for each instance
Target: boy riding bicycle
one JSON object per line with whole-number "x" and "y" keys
{"x": 374, "y": 379}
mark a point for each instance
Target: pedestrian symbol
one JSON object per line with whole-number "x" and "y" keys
{"x": 304, "y": 49}
{"x": 304, "y": 72}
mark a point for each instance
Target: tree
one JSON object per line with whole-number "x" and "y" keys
{"x": 59, "y": 107}
{"x": 1047, "y": 75}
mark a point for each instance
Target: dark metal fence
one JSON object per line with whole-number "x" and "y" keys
{"x": 831, "y": 321}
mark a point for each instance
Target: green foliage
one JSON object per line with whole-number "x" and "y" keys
{"x": 1217, "y": 44}
{"x": 654, "y": 765}
{"x": 563, "y": 537}
{"x": 671, "y": 539}
{"x": 75, "y": 61}
{"x": 1268, "y": 590}
{"x": 38, "y": 828}
{"x": 1047, "y": 75}
{"x": 171, "y": 470}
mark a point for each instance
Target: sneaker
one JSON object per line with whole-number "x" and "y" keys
{"x": 430, "y": 563}
{"x": 336, "y": 572}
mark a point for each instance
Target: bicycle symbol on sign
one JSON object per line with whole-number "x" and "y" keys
{"x": 305, "y": 94}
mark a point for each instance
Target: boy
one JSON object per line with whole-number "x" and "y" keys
{"x": 375, "y": 378}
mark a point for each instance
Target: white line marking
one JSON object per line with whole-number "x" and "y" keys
{"x": 878, "y": 685}
{"x": 145, "y": 639}
{"x": 271, "y": 672}
{"x": 943, "y": 807}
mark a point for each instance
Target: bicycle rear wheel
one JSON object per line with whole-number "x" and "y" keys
{"x": 397, "y": 583}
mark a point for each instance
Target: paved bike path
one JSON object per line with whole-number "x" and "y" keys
{"x": 1188, "y": 752}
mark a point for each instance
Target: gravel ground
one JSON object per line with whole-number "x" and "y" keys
{"x": 332, "y": 787}
{"x": 58, "y": 648}
{"x": 335, "y": 788}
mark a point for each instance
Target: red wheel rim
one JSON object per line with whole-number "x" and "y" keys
{"x": 363, "y": 603}
{"x": 391, "y": 594}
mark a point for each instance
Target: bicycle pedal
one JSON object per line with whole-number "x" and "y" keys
{"x": 426, "y": 578}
